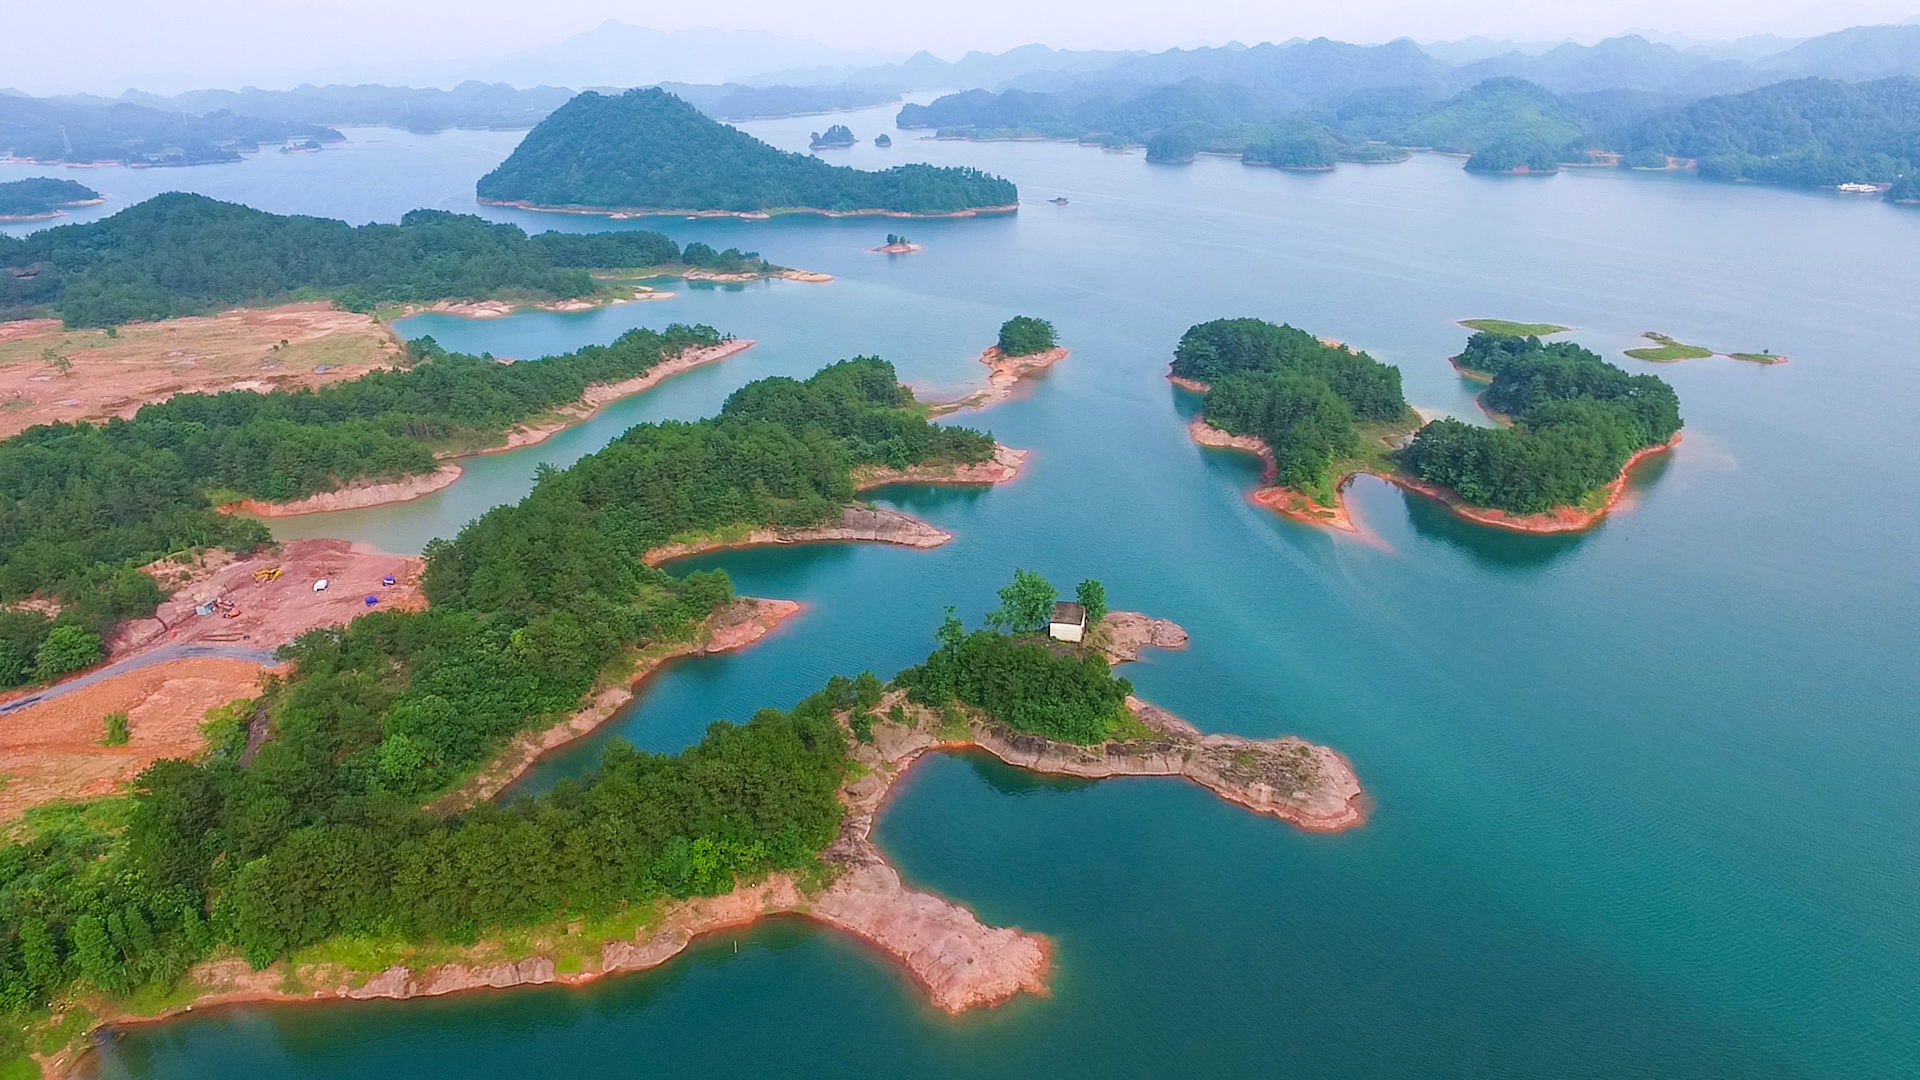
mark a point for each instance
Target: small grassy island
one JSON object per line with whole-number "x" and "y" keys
{"x": 1505, "y": 328}
{"x": 1666, "y": 350}
{"x": 897, "y": 244}
{"x": 836, "y": 136}
{"x": 646, "y": 151}
{"x": 42, "y": 197}
{"x": 1318, "y": 413}
{"x": 178, "y": 254}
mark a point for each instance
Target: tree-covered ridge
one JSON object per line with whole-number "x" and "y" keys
{"x": 83, "y": 134}
{"x": 1576, "y": 421}
{"x": 734, "y": 101}
{"x": 1813, "y": 131}
{"x": 646, "y": 149}
{"x": 85, "y": 504}
{"x": 41, "y": 195}
{"x": 1213, "y": 350}
{"x": 180, "y": 254}
{"x": 1023, "y": 335}
{"x": 320, "y": 833}
{"x": 1304, "y": 398}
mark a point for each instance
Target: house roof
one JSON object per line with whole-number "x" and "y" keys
{"x": 1074, "y": 614}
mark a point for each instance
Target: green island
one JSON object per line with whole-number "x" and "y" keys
{"x": 54, "y": 131}
{"x": 42, "y": 197}
{"x": 1759, "y": 357}
{"x": 1504, "y": 328}
{"x": 309, "y": 844}
{"x": 179, "y": 254}
{"x": 1024, "y": 335}
{"x": 1319, "y": 412}
{"x": 647, "y": 151}
{"x": 1322, "y": 411}
{"x": 1666, "y": 350}
{"x": 838, "y": 135}
{"x": 162, "y": 475}
{"x": 1577, "y": 422}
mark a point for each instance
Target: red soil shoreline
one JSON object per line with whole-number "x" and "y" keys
{"x": 1004, "y": 374}
{"x": 1295, "y": 504}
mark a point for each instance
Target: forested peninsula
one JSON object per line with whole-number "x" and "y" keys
{"x": 179, "y": 254}
{"x": 42, "y": 197}
{"x": 647, "y": 151}
{"x": 307, "y": 868}
{"x": 1318, "y": 412}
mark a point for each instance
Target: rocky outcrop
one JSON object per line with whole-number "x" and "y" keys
{"x": 857, "y": 522}
{"x": 1290, "y": 778}
{"x": 1004, "y": 465}
{"x": 1003, "y": 374}
{"x": 1122, "y": 634}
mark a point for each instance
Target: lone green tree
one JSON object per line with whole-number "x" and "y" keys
{"x": 1024, "y": 335}
{"x": 1093, "y": 596}
{"x": 1025, "y": 605}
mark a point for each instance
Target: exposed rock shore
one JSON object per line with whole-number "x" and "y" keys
{"x": 1003, "y": 374}
{"x": 857, "y": 522}
{"x": 355, "y": 496}
{"x": 1004, "y": 465}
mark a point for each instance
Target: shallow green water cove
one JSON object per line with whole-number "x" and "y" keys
{"x": 1644, "y": 798}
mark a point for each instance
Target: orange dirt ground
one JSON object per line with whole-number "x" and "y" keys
{"x": 52, "y": 750}
{"x": 275, "y": 612}
{"x": 148, "y": 362}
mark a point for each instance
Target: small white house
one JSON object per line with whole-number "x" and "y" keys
{"x": 1069, "y": 622}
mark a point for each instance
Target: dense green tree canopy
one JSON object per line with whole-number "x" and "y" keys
{"x": 646, "y": 149}
{"x": 1210, "y": 351}
{"x": 1024, "y": 335}
{"x": 41, "y": 195}
{"x": 1577, "y": 419}
{"x": 181, "y": 254}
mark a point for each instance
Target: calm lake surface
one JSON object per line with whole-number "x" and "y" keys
{"x": 1644, "y": 798}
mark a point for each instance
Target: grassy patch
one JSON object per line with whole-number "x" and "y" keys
{"x": 1759, "y": 357}
{"x": 1667, "y": 350}
{"x": 1128, "y": 728}
{"x": 1504, "y": 328}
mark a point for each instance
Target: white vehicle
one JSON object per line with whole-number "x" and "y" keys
{"x": 320, "y": 586}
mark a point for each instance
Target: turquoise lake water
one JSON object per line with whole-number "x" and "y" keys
{"x": 1643, "y": 799}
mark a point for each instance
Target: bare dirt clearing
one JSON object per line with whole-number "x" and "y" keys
{"x": 272, "y": 612}
{"x": 53, "y": 750}
{"x": 148, "y": 362}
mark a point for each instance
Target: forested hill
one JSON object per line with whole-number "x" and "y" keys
{"x": 56, "y": 131}
{"x": 180, "y": 254}
{"x": 41, "y": 196}
{"x": 1817, "y": 132}
{"x": 649, "y": 150}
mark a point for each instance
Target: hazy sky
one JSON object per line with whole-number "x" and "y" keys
{"x": 107, "y": 45}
